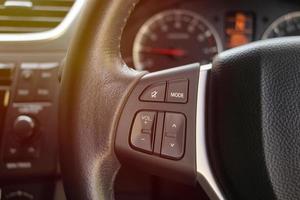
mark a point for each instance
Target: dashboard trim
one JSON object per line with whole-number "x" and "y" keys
{"x": 205, "y": 175}
{"x": 279, "y": 20}
{"x": 50, "y": 34}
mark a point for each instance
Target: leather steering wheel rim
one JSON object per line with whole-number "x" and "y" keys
{"x": 94, "y": 82}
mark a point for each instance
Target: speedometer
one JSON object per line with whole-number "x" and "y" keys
{"x": 287, "y": 25}
{"x": 173, "y": 38}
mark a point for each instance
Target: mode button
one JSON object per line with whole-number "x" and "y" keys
{"x": 178, "y": 91}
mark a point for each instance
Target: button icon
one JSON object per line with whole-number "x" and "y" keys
{"x": 23, "y": 92}
{"x": 43, "y": 92}
{"x": 31, "y": 150}
{"x": 12, "y": 151}
{"x": 178, "y": 95}
{"x": 46, "y": 74}
{"x": 147, "y": 119}
{"x": 154, "y": 94}
{"x": 27, "y": 74}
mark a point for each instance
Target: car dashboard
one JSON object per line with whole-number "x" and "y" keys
{"x": 164, "y": 34}
{"x": 159, "y": 35}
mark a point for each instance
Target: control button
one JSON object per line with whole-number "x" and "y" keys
{"x": 25, "y": 87}
{"x": 142, "y": 131}
{"x": 24, "y": 127}
{"x": 155, "y": 92}
{"x": 45, "y": 84}
{"x": 11, "y": 153}
{"x": 46, "y": 74}
{"x": 173, "y": 136}
{"x": 23, "y": 93}
{"x": 177, "y": 91}
{"x": 43, "y": 94}
{"x": 26, "y": 74}
{"x": 31, "y": 152}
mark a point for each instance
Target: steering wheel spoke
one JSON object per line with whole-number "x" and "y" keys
{"x": 156, "y": 131}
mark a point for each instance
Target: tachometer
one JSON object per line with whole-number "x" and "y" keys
{"x": 173, "y": 38}
{"x": 287, "y": 25}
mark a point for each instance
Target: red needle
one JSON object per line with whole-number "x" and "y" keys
{"x": 161, "y": 51}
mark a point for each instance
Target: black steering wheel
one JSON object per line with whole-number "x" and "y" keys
{"x": 232, "y": 126}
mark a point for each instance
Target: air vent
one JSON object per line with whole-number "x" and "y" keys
{"x": 29, "y": 16}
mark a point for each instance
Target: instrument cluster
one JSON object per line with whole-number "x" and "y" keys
{"x": 170, "y": 33}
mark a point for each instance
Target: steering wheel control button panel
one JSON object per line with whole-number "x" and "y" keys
{"x": 155, "y": 92}
{"x": 157, "y": 128}
{"x": 174, "y": 136}
{"x": 142, "y": 131}
{"x": 178, "y": 91}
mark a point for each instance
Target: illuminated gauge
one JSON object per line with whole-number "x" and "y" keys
{"x": 173, "y": 38}
{"x": 287, "y": 25}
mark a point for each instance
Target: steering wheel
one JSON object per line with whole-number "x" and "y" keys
{"x": 232, "y": 126}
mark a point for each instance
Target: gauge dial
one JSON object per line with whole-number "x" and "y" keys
{"x": 173, "y": 38}
{"x": 287, "y": 25}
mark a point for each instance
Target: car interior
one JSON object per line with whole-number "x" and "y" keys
{"x": 149, "y": 99}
